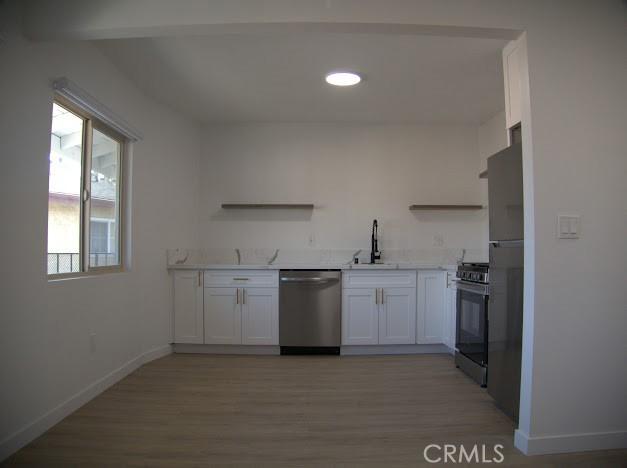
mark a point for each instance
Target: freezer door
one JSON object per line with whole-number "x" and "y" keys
{"x": 505, "y": 319}
{"x": 505, "y": 191}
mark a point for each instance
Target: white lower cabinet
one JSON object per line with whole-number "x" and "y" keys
{"x": 247, "y": 315}
{"x": 223, "y": 316}
{"x": 397, "y": 316}
{"x": 373, "y": 316}
{"x": 260, "y": 316}
{"x": 210, "y": 308}
{"x": 360, "y": 316}
{"x": 379, "y": 315}
{"x": 450, "y": 325}
{"x": 188, "y": 306}
{"x": 431, "y": 308}
{"x": 378, "y": 308}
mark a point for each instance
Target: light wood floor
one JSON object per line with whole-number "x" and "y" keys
{"x": 194, "y": 410}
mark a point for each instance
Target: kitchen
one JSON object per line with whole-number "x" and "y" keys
{"x": 276, "y": 192}
{"x": 248, "y": 224}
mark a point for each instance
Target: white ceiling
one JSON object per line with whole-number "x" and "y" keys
{"x": 280, "y": 77}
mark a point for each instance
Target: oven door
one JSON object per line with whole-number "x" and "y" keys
{"x": 472, "y": 321}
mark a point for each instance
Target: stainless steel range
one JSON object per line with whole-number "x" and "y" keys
{"x": 471, "y": 341}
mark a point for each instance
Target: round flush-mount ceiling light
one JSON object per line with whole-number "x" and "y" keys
{"x": 343, "y": 78}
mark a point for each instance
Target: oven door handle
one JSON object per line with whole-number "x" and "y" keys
{"x": 473, "y": 288}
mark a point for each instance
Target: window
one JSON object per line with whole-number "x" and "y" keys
{"x": 84, "y": 193}
{"x": 102, "y": 242}
{"x": 99, "y": 236}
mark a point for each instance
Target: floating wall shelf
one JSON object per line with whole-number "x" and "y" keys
{"x": 298, "y": 206}
{"x": 445, "y": 207}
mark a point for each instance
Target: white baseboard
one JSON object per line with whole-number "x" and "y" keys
{"x": 226, "y": 349}
{"x": 344, "y": 350}
{"x": 394, "y": 349}
{"x": 569, "y": 442}
{"x": 31, "y": 431}
{"x": 156, "y": 353}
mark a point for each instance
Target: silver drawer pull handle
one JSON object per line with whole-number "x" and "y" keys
{"x": 241, "y": 279}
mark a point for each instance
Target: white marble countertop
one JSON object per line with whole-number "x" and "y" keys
{"x": 317, "y": 266}
{"x": 316, "y": 259}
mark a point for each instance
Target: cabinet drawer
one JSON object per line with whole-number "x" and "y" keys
{"x": 379, "y": 279}
{"x": 241, "y": 278}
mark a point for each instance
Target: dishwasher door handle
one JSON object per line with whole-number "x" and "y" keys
{"x": 312, "y": 280}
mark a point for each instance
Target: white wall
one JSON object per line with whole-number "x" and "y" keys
{"x": 353, "y": 174}
{"x": 577, "y": 109}
{"x": 45, "y": 326}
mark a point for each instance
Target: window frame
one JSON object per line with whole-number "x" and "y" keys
{"x": 90, "y": 122}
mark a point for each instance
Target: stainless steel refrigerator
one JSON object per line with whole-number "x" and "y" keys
{"x": 505, "y": 306}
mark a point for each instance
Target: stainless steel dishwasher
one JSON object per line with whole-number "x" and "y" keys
{"x": 310, "y": 311}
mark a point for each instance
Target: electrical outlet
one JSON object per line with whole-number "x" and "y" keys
{"x": 438, "y": 240}
{"x": 92, "y": 343}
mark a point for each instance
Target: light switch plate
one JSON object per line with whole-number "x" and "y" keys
{"x": 568, "y": 226}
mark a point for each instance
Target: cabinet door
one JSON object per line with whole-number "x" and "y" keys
{"x": 431, "y": 307}
{"x": 397, "y": 316}
{"x": 188, "y": 313}
{"x": 260, "y": 316}
{"x": 223, "y": 316}
{"x": 511, "y": 75}
{"x": 360, "y": 324}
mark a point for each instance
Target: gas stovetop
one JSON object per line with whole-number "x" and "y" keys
{"x": 474, "y": 272}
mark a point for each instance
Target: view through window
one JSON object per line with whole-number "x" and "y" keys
{"x": 80, "y": 146}
{"x": 104, "y": 206}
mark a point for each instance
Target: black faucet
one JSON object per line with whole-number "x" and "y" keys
{"x": 374, "y": 252}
